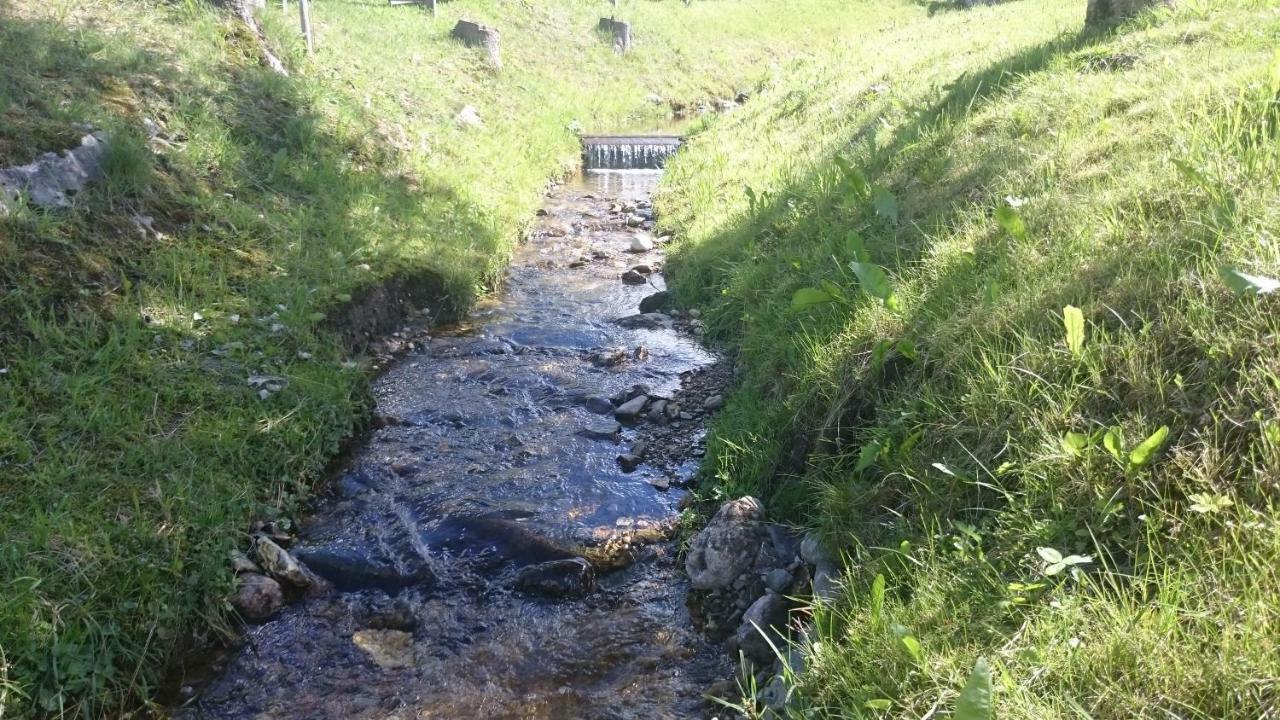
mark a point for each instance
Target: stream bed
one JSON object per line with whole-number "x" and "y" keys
{"x": 501, "y": 547}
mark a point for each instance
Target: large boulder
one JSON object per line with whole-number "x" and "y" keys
{"x": 727, "y": 546}
{"x": 1106, "y": 12}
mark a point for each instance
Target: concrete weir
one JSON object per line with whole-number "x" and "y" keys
{"x": 628, "y": 152}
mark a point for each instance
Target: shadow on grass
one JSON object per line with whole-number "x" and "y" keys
{"x": 133, "y": 452}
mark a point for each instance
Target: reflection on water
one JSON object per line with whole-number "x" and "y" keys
{"x": 487, "y": 471}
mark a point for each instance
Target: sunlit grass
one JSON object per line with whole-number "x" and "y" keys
{"x": 1139, "y": 163}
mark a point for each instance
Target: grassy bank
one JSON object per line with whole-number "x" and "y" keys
{"x": 133, "y": 449}
{"x": 898, "y": 237}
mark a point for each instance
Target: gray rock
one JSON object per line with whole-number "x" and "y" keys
{"x": 469, "y": 116}
{"x": 598, "y": 405}
{"x": 257, "y": 597}
{"x": 646, "y": 321}
{"x": 572, "y": 577}
{"x": 759, "y": 628}
{"x": 601, "y": 431}
{"x": 658, "y": 411}
{"x": 715, "y": 402}
{"x": 629, "y": 462}
{"x": 357, "y": 566}
{"x": 727, "y": 545}
{"x": 51, "y": 180}
{"x": 641, "y": 243}
{"x": 813, "y": 552}
{"x": 631, "y": 409}
{"x": 631, "y": 277}
{"x": 388, "y": 649}
{"x": 282, "y": 566}
{"x": 655, "y": 302}
{"x": 241, "y": 565}
{"x": 826, "y": 583}
{"x": 778, "y": 580}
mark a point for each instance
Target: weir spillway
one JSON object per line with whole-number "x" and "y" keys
{"x": 628, "y": 152}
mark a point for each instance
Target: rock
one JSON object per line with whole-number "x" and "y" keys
{"x": 389, "y": 649}
{"x": 282, "y": 566}
{"x": 641, "y": 243}
{"x": 655, "y": 302}
{"x": 813, "y": 552}
{"x": 240, "y": 564}
{"x": 631, "y": 409}
{"x": 639, "y": 448}
{"x": 778, "y": 580}
{"x": 469, "y": 116}
{"x": 474, "y": 34}
{"x": 713, "y": 403}
{"x": 826, "y": 583}
{"x": 257, "y": 597}
{"x": 631, "y": 277}
{"x": 572, "y": 577}
{"x": 387, "y": 614}
{"x": 50, "y": 180}
{"x": 598, "y": 405}
{"x": 646, "y": 321}
{"x": 358, "y": 566}
{"x": 775, "y": 695}
{"x": 727, "y": 545}
{"x": 758, "y": 628}
{"x": 601, "y": 431}
{"x": 643, "y": 269}
{"x": 658, "y": 411}
{"x": 629, "y": 462}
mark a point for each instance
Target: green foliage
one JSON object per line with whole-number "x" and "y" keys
{"x": 1140, "y": 464}
{"x": 975, "y": 701}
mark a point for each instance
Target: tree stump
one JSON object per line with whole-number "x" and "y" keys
{"x": 473, "y": 34}
{"x": 1108, "y": 12}
{"x": 620, "y": 32}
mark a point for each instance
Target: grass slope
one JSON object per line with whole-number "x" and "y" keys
{"x": 891, "y": 234}
{"x": 132, "y": 450}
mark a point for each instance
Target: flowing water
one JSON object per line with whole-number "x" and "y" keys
{"x": 484, "y": 469}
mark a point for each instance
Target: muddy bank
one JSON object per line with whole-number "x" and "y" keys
{"x": 500, "y": 547}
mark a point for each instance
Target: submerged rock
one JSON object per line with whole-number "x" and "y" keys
{"x": 257, "y": 597}
{"x": 631, "y": 277}
{"x": 389, "y": 649}
{"x": 727, "y": 546}
{"x": 646, "y": 321}
{"x": 573, "y": 577}
{"x": 601, "y": 431}
{"x": 354, "y": 566}
{"x": 631, "y": 409}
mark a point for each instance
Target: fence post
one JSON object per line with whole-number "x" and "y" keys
{"x": 304, "y": 12}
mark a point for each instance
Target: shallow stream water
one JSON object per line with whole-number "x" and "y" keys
{"x": 481, "y": 469}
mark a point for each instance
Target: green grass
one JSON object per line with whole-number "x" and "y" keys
{"x": 1140, "y": 162}
{"x": 132, "y": 450}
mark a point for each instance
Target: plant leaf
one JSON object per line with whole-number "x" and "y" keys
{"x": 907, "y": 349}
{"x": 1113, "y": 441}
{"x": 873, "y": 279}
{"x": 808, "y": 297}
{"x": 1049, "y": 554}
{"x": 975, "y": 699}
{"x": 1245, "y": 284}
{"x": 885, "y": 204}
{"x": 854, "y": 247}
{"x": 877, "y": 598}
{"x": 1142, "y": 454}
{"x": 867, "y": 457}
{"x": 1075, "y": 443}
{"x": 878, "y": 704}
{"x": 879, "y": 352}
{"x": 1011, "y": 221}
{"x": 1073, "y": 321}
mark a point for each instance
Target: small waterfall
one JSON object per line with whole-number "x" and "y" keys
{"x": 628, "y": 152}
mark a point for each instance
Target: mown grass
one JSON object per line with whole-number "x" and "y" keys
{"x": 133, "y": 451}
{"x": 1031, "y": 167}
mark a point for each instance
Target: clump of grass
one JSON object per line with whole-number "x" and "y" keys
{"x": 999, "y": 349}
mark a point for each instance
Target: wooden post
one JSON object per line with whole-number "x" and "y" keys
{"x": 304, "y": 12}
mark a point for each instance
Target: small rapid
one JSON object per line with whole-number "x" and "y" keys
{"x": 491, "y": 551}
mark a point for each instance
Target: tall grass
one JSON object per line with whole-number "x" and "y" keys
{"x": 957, "y": 436}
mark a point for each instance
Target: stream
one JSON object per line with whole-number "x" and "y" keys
{"x": 489, "y": 554}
